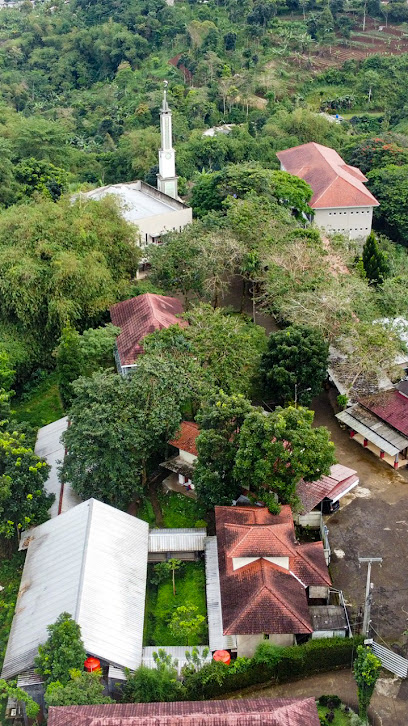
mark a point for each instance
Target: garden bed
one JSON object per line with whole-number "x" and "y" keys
{"x": 40, "y": 404}
{"x": 161, "y": 603}
{"x": 178, "y": 511}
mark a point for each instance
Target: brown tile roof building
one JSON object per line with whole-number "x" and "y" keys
{"x": 242, "y": 712}
{"x": 334, "y": 183}
{"x": 186, "y": 439}
{"x": 259, "y": 595}
{"x": 142, "y": 315}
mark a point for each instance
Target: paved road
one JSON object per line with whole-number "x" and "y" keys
{"x": 372, "y": 521}
{"x": 388, "y": 707}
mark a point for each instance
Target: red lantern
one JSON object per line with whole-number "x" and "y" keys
{"x": 92, "y": 664}
{"x": 365, "y": 442}
{"x": 381, "y": 454}
{"x": 352, "y": 433}
{"x": 222, "y": 656}
{"x": 395, "y": 464}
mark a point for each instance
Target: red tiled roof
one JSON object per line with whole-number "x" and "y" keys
{"x": 391, "y": 407}
{"x": 340, "y": 480}
{"x": 263, "y": 596}
{"x": 334, "y": 183}
{"x": 186, "y": 439}
{"x": 142, "y": 315}
{"x": 245, "y": 712}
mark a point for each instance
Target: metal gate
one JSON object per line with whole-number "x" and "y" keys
{"x": 389, "y": 660}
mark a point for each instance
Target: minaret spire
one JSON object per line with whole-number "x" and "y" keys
{"x": 166, "y": 178}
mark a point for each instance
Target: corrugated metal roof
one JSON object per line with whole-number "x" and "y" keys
{"x": 177, "y": 540}
{"x": 373, "y": 429}
{"x": 50, "y": 447}
{"x": 92, "y": 563}
{"x": 177, "y": 652}
{"x": 218, "y": 641}
{"x": 29, "y": 678}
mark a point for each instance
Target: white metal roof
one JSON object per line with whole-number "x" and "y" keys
{"x": 373, "y": 429}
{"x": 177, "y": 540}
{"x": 92, "y": 563}
{"x": 218, "y": 641}
{"x": 177, "y": 652}
{"x": 50, "y": 448}
{"x": 134, "y": 202}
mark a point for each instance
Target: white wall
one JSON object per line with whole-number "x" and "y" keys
{"x": 353, "y": 221}
{"x": 162, "y": 223}
{"x": 186, "y": 456}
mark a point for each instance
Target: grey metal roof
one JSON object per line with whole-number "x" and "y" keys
{"x": 50, "y": 447}
{"x": 373, "y": 428}
{"x": 136, "y": 201}
{"x": 176, "y": 652}
{"x": 218, "y": 641}
{"x": 177, "y": 540}
{"x": 92, "y": 563}
{"x": 29, "y": 678}
{"x": 327, "y": 617}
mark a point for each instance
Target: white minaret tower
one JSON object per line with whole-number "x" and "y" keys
{"x": 166, "y": 178}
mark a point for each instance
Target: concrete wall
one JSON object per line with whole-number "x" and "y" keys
{"x": 352, "y": 221}
{"x": 318, "y": 592}
{"x": 186, "y": 456}
{"x": 152, "y": 227}
{"x": 246, "y": 644}
{"x": 312, "y": 519}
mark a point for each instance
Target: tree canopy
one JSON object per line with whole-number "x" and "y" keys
{"x": 294, "y": 366}
{"x": 62, "y": 651}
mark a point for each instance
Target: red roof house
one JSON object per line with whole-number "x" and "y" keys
{"x": 140, "y": 316}
{"x": 265, "y": 574}
{"x": 340, "y": 481}
{"x": 340, "y": 199}
{"x": 183, "y": 463}
{"x": 245, "y": 712}
{"x": 185, "y": 441}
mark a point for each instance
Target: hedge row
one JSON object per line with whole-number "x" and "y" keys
{"x": 298, "y": 661}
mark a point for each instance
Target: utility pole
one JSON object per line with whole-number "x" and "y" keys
{"x": 368, "y": 596}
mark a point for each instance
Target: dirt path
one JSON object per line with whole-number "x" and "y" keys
{"x": 389, "y": 705}
{"x": 372, "y": 521}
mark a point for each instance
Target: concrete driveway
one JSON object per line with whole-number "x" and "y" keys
{"x": 372, "y": 521}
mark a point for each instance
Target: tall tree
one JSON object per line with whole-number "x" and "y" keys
{"x": 294, "y": 366}
{"x": 366, "y": 670}
{"x": 375, "y": 261}
{"x": 220, "y": 421}
{"x": 117, "y": 427}
{"x": 24, "y": 501}
{"x": 277, "y": 450}
{"x": 62, "y": 651}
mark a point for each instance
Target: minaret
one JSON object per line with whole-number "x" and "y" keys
{"x": 166, "y": 178}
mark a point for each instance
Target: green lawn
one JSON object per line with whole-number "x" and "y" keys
{"x": 340, "y": 717}
{"x": 41, "y": 405}
{"x": 160, "y": 603}
{"x": 180, "y": 511}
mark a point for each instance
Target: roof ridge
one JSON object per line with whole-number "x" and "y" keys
{"x": 311, "y": 564}
{"x": 84, "y": 558}
{"x": 273, "y": 593}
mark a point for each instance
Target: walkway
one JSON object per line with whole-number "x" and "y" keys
{"x": 389, "y": 705}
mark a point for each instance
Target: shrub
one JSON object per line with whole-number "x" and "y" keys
{"x": 268, "y": 654}
{"x": 330, "y": 701}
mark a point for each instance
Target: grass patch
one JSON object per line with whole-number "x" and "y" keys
{"x": 180, "y": 511}
{"x": 10, "y": 576}
{"x": 161, "y": 603}
{"x": 146, "y": 512}
{"x": 41, "y": 404}
{"x": 341, "y": 718}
